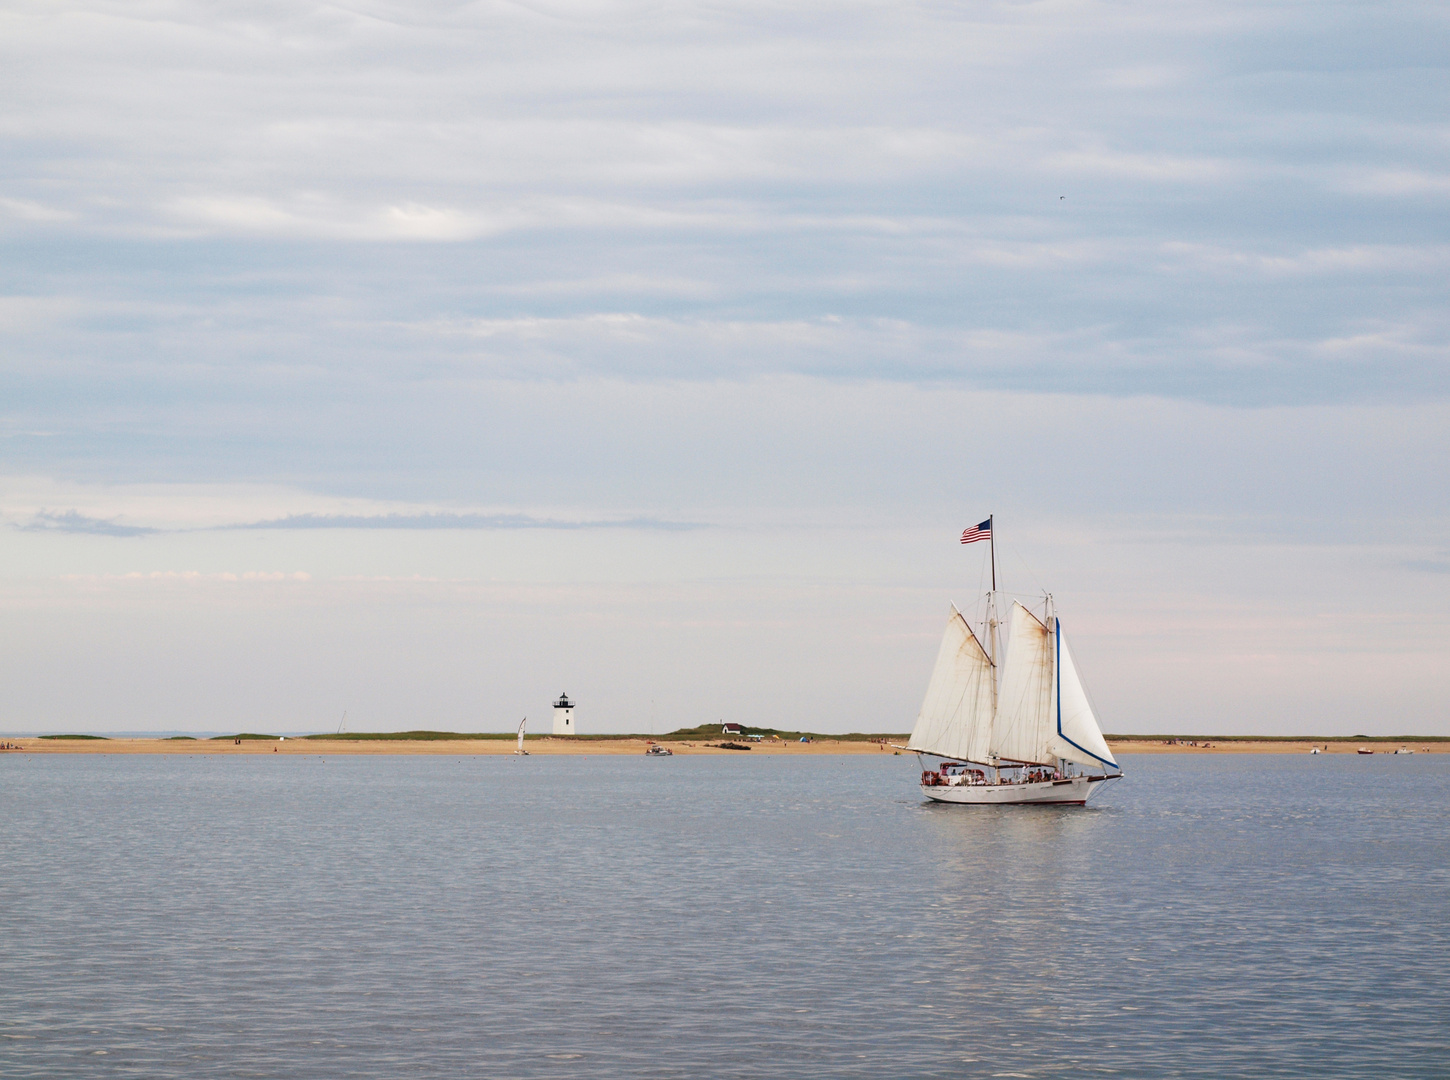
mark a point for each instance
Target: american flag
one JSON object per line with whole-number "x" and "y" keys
{"x": 978, "y": 532}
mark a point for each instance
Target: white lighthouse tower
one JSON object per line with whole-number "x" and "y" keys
{"x": 563, "y": 716}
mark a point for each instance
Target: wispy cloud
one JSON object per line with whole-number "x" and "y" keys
{"x": 193, "y": 576}
{"x": 1429, "y": 566}
{"x": 458, "y": 521}
{"x": 72, "y": 521}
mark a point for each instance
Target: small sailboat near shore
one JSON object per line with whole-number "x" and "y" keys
{"x": 1012, "y": 726}
{"x": 521, "y": 752}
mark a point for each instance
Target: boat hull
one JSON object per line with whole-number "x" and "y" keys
{"x": 1073, "y": 792}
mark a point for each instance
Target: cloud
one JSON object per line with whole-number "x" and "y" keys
{"x": 1358, "y": 260}
{"x": 457, "y": 521}
{"x": 71, "y": 521}
{"x": 74, "y": 522}
{"x": 26, "y": 210}
{"x": 1396, "y": 183}
{"x": 326, "y": 218}
{"x": 325, "y": 199}
{"x": 194, "y": 577}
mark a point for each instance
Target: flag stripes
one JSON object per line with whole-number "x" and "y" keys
{"x": 978, "y": 532}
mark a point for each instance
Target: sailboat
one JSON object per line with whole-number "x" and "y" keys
{"x": 1013, "y": 729}
{"x": 522, "y": 724}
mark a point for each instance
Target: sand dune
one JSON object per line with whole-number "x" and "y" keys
{"x": 637, "y": 745}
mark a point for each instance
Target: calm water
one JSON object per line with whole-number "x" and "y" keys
{"x": 622, "y": 917}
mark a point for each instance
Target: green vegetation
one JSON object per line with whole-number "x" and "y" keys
{"x": 712, "y": 731}
{"x": 704, "y": 732}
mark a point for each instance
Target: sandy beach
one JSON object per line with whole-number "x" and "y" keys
{"x": 1277, "y": 746}
{"x": 455, "y": 747}
{"x": 636, "y": 745}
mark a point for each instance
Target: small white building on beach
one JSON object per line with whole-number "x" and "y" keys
{"x": 563, "y": 716}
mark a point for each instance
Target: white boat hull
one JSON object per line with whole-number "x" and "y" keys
{"x": 1072, "y": 792}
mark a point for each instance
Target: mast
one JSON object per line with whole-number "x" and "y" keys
{"x": 992, "y": 543}
{"x": 996, "y": 651}
{"x": 994, "y": 644}
{"x": 1049, "y": 616}
{"x": 1061, "y": 765}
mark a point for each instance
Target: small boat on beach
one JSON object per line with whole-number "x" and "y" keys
{"x": 656, "y": 750}
{"x": 1012, "y": 726}
{"x": 1363, "y": 750}
{"x": 1404, "y": 750}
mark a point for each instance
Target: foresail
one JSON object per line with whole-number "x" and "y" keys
{"x": 1024, "y": 704}
{"x": 1076, "y": 735}
{"x": 956, "y": 716}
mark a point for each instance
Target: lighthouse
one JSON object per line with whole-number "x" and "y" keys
{"x": 563, "y": 716}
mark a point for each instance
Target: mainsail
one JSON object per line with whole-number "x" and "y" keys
{"x": 956, "y": 716}
{"x": 1076, "y": 734}
{"x": 1041, "y": 713}
{"x": 1025, "y": 719}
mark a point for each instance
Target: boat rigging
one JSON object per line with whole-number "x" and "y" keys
{"x": 1009, "y": 728}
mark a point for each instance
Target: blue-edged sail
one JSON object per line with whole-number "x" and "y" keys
{"x": 956, "y": 716}
{"x": 1043, "y": 712}
{"x": 1076, "y": 735}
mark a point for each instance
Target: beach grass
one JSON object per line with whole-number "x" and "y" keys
{"x": 703, "y": 731}
{"x": 102, "y": 738}
{"x": 713, "y": 731}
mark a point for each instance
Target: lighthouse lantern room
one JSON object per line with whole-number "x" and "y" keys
{"x": 563, "y": 716}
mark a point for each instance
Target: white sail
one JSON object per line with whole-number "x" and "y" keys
{"x": 1076, "y": 735}
{"x": 956, "y": 717}
{"x": 522, "y": 724}
{"x": 1025, "y": 718}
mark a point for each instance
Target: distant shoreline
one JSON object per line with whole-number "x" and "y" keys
{"x": 490, "y": 744}
{"x": 1239, "y": 744}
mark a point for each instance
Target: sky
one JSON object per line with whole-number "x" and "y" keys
{"x": 422, "y": 361}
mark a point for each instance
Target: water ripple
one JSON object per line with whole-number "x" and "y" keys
{"x": 372, "y": 917}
